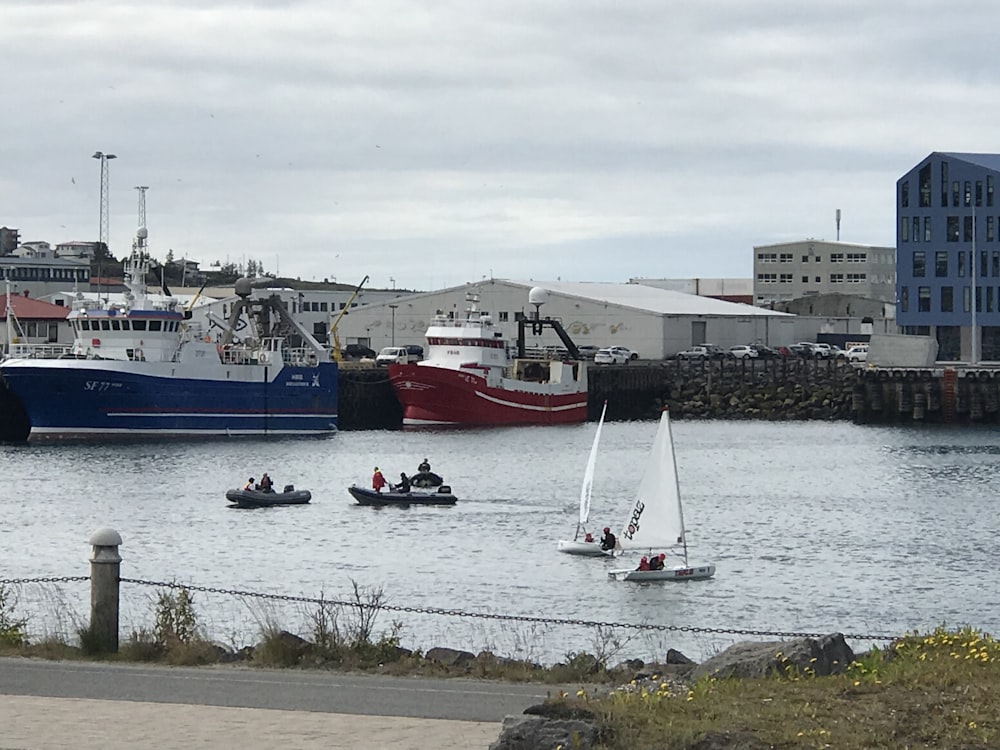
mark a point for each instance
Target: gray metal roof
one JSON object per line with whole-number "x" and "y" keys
{"x": 990, "y": 161}
{"x": 652, "y": 299}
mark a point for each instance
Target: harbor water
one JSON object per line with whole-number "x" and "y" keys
{"x": 814, "y": 527}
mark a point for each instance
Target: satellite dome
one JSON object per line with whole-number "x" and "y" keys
{"x": 142, "y": 233}
{"x": 538, "y": 296}
{"x": 243, "y": 287}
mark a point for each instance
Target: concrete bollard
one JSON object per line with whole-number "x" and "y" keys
{"x": 105, "y": 570}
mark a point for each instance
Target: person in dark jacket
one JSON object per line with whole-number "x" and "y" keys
{"x": 404, "y": 483}
{"x": 266, "y": 485}
{"x": 608, "y": 541}
{"x": 656, "y": 561}
{"x": 424, "y": 466}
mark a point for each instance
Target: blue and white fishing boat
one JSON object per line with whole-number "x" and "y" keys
{"x": 144, "y": 366}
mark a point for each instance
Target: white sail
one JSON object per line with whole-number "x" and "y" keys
{"x": 588, "y": 474}
{"x": 655, "y": 520}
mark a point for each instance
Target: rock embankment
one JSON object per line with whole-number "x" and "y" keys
{"x": 772, "y": 390}
{"x": 558, "y": 724}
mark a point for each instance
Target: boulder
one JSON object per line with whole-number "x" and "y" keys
{"x": 539, "y": 733}
{"x": 823, "y": 656}
{"x": 449, "y": 657}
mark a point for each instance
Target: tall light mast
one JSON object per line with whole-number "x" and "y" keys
{"x": 105, "y": 170}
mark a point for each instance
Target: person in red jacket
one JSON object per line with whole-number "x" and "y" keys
{"x": 643, "y": 564}
{"x": 378, "y": 481}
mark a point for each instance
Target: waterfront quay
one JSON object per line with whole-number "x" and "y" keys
{"x": 772, "y": 389}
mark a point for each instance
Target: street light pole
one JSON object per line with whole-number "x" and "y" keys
{"x": 393, "y": 308}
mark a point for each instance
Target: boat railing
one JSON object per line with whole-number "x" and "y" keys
{"x": 39, "y": 351}
{"x": 237, "y": 355}
{"x": 302, "y": 355}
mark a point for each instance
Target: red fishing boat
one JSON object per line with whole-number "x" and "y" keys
{"x": 470, "y": 378}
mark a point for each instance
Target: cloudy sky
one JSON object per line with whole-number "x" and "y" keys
{"x": 431, "y": 143}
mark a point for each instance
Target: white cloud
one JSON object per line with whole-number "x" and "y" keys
{"x": 435, "y": 143}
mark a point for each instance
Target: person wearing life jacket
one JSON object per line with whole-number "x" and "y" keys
{"x": 657, "y": 562}
{"x": 404, "y": 483}
{"x": 589, "y": 537}
{"x": 378, "y": 481}
{"x": 643, "y": 564}
{"x": 266, "y": 485}
{"x": 424, "y": 466}
{"x": 608, "y": 541}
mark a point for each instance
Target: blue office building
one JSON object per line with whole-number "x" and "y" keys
{"x": 948, "y": 253}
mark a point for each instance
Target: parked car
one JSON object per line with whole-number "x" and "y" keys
{"x": 764, "y": 352}
{"x": 715, "y": 351}
{"x": 615, "y": 355}
{"x": 742, "y": 352}
{"x": 588, "y": 351}
{"x": 784, "y": 351}
{"x": 357, "y": 351}
{"x": 416, "y": 353}
{"x": 805, "y": 349}
{"x": 395, "y": 355}
{"x": 695, "y": 352}
{"x": 858, "y": 353}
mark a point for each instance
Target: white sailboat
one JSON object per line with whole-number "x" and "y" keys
{"x": 578, "y": 545}
{"x": 655, "y": 521}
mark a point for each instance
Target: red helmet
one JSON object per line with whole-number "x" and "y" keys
{"x": 663, "y": 555}
{"x": 607, "y": 529}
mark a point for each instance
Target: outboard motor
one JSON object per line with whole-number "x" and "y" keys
{"x": 289, "y": 488}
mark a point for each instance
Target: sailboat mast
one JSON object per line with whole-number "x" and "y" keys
{"x": 677, "y": 484}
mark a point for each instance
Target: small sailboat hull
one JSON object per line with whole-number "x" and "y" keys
{"x": 584, "y": 549}
{"x": 677, "y": 573}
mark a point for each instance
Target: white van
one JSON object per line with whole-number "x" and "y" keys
{"x": 394, "y": 355}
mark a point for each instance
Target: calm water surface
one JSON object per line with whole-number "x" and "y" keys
{"x": 814, "y": 527}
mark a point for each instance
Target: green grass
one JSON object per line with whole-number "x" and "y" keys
{"x": 936, "y": 691}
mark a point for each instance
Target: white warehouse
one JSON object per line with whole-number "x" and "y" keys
{"x": 657, "y": 323}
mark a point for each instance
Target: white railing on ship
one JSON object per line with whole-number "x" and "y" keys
{"x": 39, "y": 351}
{"x": 302, "y": 355}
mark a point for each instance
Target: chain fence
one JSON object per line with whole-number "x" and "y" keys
{"x": 529, "y": 621}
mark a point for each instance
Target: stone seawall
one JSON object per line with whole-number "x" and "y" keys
{"x": 774, "y": 389}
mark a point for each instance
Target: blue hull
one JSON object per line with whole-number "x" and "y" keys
{"x": 62, "y": 400}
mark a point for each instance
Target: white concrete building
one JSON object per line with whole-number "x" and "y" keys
{"x": 657, "y": 323}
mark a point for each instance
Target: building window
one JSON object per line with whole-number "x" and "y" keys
{"x": 818, "y": 278}
{"x": 785, "y": 278}
{"x": 989, "y": 299}
{"x": 968, "y": 228}
{"x": 857, "y": 257}
{"x": 904, "y": 230}
{"x": 924, "y": 299}
{"x": 984, "y": 264}
{"x": 904, "y": 299}
{"x": 767, "y": 278}
{"x": 995, "y": 265}
{"x": 767, "y": 257}
{"x": 502, "y": 317}
{"x": 941, "y": 263}
{"x": 966, "y": 299}
{"x": 968, "y": 193}
{"x": 919, "y": 264}
{"x": 805, "y": 279}
{"x": 961, "y": 264}
{"x": 955, "y": 194}
{"x": 952, "y": 229}
{"x": 990, "y": 229}
{"x": 836, "y": 278}
{"x": 818, "y": 258}
{"x": 989, "y": 190}
{"x": 805, "y": 258}
{"x": 925, "y": 186}
{"x": 785, "y": 258}
{"x": 927, "y": 229}
{"x": 947, "y": 299}
{"x": 904, "y": 194}
{"x": 944, "y": 184}
{"x": 916, "y": 229}
{"x": 979, "y": 193}
{"x": 856, "y": 278}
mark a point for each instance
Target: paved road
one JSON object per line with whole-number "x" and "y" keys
{"x": 110, "y": 706}
{"x": 326, "y": 692}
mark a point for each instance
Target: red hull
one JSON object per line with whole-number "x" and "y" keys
{"x": 436, "y": 395}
